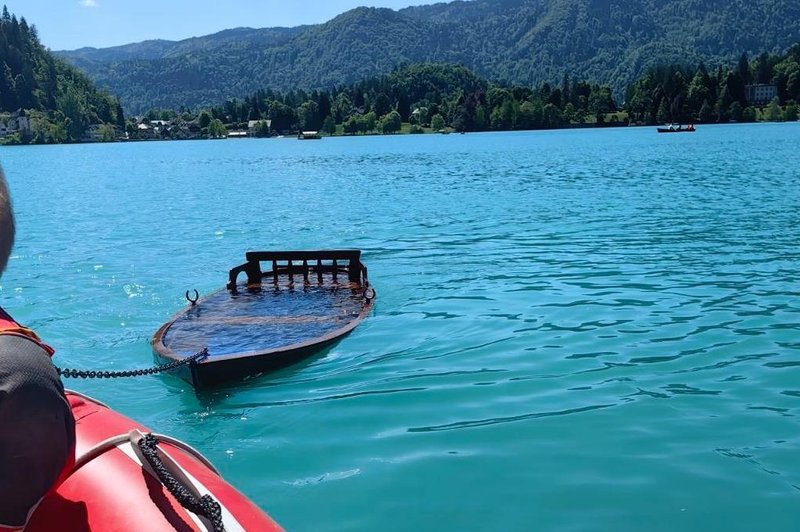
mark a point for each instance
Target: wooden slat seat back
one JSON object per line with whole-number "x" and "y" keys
{"x": 311, "y": 265}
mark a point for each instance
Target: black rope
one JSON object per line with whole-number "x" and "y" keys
{"x": 86, "y": 374}
{"x": 205, "y": 506}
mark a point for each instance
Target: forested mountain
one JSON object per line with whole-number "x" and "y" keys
{"x": 675, "y": 93}
{"x": 426, "y": 97}
{"x": 161, "y": 49}
{"x": 439, "y": 96}
{"x": 516, "y": 41}
{"x": 57, "y": 101}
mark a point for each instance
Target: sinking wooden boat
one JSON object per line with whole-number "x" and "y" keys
{"x": 301, "y": 303}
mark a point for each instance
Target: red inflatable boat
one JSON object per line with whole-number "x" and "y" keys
{"x": 120, "y": 483}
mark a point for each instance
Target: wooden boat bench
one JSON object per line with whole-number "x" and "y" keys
{"x": 308, "y": 264}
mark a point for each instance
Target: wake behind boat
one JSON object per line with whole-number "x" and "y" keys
{"x": 304, "y": 301}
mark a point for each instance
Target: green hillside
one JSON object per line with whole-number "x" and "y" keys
{"x": 515, "y": 41}
{"x": 415, "y": 99}
{"x": 443, "y": 96}
{"x": 42, "y": 99}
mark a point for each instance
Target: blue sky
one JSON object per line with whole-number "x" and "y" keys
{"x": 70, "y": 24}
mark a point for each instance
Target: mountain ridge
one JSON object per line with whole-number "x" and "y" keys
{"x": 514, "y": 41}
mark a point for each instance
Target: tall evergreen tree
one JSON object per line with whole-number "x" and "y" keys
{"x": 743, "y": 69}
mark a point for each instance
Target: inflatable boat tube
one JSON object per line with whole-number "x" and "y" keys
{"x": 127, "y": 479}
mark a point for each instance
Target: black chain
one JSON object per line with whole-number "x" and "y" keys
{"x": 84, "y": 374}
{"x": 205, "y": 506}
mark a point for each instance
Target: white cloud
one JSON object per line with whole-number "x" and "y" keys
{"x": 89, "y": 3}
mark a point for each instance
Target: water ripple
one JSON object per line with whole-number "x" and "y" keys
{"x": 612, "y": 316}
{"x": 510, "y": 419}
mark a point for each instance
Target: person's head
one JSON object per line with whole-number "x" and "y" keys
{"x": 6, "y": 223}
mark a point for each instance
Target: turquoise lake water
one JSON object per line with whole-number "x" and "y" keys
{"x": 574, "y": 330}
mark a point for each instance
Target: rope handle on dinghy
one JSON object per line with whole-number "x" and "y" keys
{"x": 86, "y": 374}
{"x": 181, "y": 487}
{"x": 112, "y": 442}
{"x": 201, "y": 505}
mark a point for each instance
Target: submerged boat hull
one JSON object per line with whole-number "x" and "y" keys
{"x": 276, "y": 319}
{"x": 217, "y": 371}
{"x": 114, "y": 491}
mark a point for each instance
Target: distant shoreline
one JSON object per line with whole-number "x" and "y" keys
{"x": 354, "y": 136}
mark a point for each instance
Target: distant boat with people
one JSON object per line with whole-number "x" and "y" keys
{"x": 676, "y": 128}
{"x": 309, "y": 135}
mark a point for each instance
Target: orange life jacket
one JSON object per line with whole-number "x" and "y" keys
{"x": 9, "y": 326}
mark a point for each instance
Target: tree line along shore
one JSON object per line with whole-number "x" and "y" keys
{"x": 440, "y": 98}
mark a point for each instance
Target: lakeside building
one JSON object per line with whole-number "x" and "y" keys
{"x": 102, "y": 132}
{"x": 253, "y": 124}
{"x": 17, "y": 122}
{"x": 760, "y": 94}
